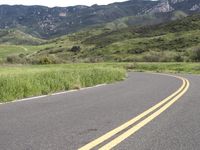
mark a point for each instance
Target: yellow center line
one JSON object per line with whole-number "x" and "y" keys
{"x": 135, "y": 128}
{"x": 132, "y": 121}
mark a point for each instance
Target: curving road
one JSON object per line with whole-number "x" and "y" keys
{"x": 72, "y": 120}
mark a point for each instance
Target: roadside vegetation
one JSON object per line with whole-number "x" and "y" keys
{"x": 175, "y": 67}
{"x": 18, "y": 82}
{"x": 22, "y": 81}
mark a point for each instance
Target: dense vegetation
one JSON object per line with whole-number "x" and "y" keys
{"x": 176, "y": 41}
{"x": 173, "y": 41}
{"x": 175, "y": 67}
{"x": 26, "y": 81}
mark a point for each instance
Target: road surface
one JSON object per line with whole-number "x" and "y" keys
{"x": 73, "y": 120}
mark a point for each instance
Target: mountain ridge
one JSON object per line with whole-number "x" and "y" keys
{"x": 45, "y": 22}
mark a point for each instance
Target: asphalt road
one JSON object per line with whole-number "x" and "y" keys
{"x": 70, "y": 121}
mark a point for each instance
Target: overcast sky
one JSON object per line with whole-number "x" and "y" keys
{"x": 63, "y": 3}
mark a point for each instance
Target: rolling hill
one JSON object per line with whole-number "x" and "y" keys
{"x": 47, "y": 22}
{"x": 18, "y": 37}
{"x": 165, "y": 30}
{"x": 166, "y": 42}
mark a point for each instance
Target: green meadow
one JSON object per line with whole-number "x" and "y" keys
{"x": 17, "y": 82}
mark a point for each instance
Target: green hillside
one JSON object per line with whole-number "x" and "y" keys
{"x": 17, "y": 37}
{"x": 164, "y": 42}
{"x": 167, "y": 42}
{"x": 14, "y": 42}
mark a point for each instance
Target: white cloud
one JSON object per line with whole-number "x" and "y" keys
{"x": 62, "y": 3}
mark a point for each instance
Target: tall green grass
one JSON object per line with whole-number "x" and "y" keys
{"x": 33, "y": 83}
{"x": 188, "y": 68}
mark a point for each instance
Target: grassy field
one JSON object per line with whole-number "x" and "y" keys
{"x": 9, "y": 50}
{"x": 21, "y": 81}
{"x": 17, "y": 37}
{"x": 185, "y": 68}
{"x": 18, "y": 82}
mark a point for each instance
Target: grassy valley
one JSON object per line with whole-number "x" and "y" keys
{"x": 167, "y": 42}
{"x": 15, "y": 42}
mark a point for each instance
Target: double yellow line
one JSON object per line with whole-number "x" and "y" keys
{"x": 145, "y": 118}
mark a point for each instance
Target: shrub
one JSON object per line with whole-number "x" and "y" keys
{"x": 152, "y": 57}
{"x": 52, "y": 59}
{"x": 131, "y": 66}
{"x": 136, "y": 51}
{"x": 45, "y": 60}
{"x": 178, "y": 58}
{"x": 14, "y": 59}
{"x": 195, "y": 55}
{"x": 75, "y": 49}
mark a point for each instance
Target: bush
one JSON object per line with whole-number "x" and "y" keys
{"x": 178, "y": 58}
{"x": 15, "y": 59}
{"x": 136, "y": 51}
{"x": 44, "y": 60}
{"x": 195, "y": 55}
{"x": 152, "y": 57}
{"x": 131, "y": 66}
{"x": 75, "y": 49}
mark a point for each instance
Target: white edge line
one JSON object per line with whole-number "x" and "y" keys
{"x": 64, "y": 92}
{"x": 54, "y": 94}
